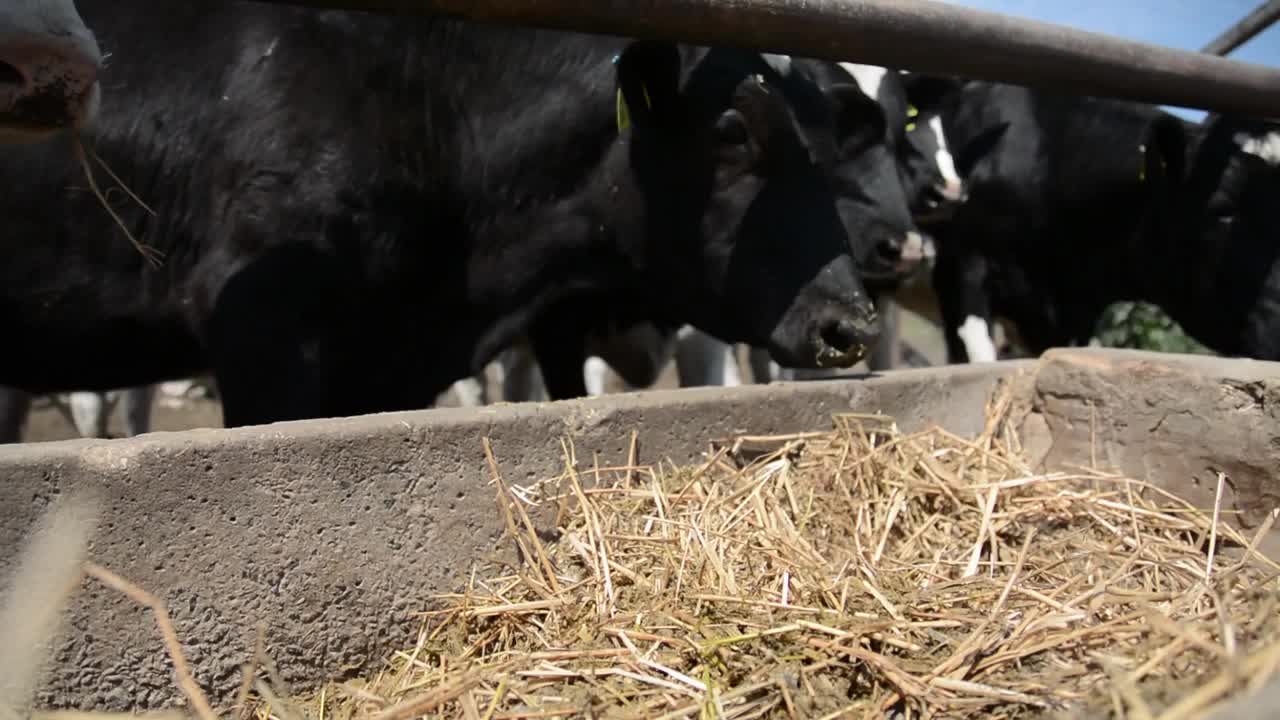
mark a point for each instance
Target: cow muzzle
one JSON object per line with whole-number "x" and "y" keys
{"x": 917, "y": 250}
{"x": 830, "y": 323}
{"x": 901, "y": 257}
{"x": 845, "y": 339}
{"x": 46, "y": 88}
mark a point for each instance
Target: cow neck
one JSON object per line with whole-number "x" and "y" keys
{"x": 587, "y": 244}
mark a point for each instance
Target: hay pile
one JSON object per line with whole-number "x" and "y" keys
{"x": 854, "y": 573}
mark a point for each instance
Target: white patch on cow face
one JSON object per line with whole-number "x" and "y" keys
{"x": 946, "y": 164}
{"x": 1266, "y": 147}
{"x": 780, "y": 63}
{"x": 593, "y": 372}
{"x": 868, "y": 77}
{"x": 976, "y": 337}
{"x": 913, "y": 249}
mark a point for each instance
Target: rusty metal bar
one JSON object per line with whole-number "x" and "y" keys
{"x": 921, "y": 35}
{"x": 1242, "y": 32}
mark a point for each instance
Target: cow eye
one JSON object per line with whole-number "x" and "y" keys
{"x": 731, "y": 128}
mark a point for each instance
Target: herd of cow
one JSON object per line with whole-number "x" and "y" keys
{"x": 356, "y": 211}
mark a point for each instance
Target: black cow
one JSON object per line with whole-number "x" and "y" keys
{"x": 926, "y": 187}
{"x": 357, "y": 209}
{"x": 1076, "y": 203}
{"x": 932, "y": 186}
{"x": 1223, "y": 267}
{"x": 873, "y": 206}
{"x": 49, "y": 63}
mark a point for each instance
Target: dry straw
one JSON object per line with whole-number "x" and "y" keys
{"x": 861, "y": 572}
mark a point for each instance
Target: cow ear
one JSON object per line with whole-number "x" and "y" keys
{"x": 857, "y": 115}
{"x": 928, "y": 91}
{"x": 979, "y": 147}
{"x": 1165, "y": 150}
{"x": 648, "y": 83}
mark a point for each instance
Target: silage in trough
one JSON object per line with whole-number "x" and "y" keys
{"x": 849, "y": 573}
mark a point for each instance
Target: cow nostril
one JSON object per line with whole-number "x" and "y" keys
{"x": 11, "y": 75}
{"x": 844, "y": 335}
{"x": 890, "y": 249}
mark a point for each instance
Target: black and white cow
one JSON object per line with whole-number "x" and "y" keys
{"x": 873, "y": 206}
{"x": 49, "y": 63}
{"x": 932, "y": 188}
{"x": 1075, "y": 203}
{"x": 324, "y": 181}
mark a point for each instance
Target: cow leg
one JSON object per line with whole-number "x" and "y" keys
{"x": 14, "y": 406}
{"x": 595, "y": 371}
{"x": 637, "y": 354}
{"x": 886, "y": 353}
{"x": 702, "y": 360}
{"x": 960, "y": 280}
{"x": 561, "y": 353}
{"x": 521, "y": 375}
{"x": 275, "y": 344}
{"x": 90, "y": 413}
{"x": 137, "y": 402}
{"x": 763, "y": 369}
{"x": 471, "y": 391}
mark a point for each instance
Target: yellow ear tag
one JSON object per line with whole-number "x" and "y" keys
{"x": 911, "y": 127}
{"x": 624, "y": 117}
{"x": 624, "y": 114}
{"x": 912, "y": 111}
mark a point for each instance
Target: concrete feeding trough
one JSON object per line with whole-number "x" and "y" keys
{"x": 334, "y": 533}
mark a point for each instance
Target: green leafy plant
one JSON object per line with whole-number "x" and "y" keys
{"x": 1144, "y": 326}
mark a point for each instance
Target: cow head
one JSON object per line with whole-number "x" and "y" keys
{"x": 734, "y": 158}
{"x": 1233, "y": 258}
{"x": 887, "y": 247}
{"x": 49, "y": 64}
{"x": 930, "y": 172}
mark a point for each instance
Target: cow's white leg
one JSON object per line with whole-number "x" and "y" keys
{"x": 637, "y": 354}
{"x": 90, "y": 412}
{"x": 976, "y": 336}
{"x": 594, "y": 373}
{"x": 471, "y": 391}
{"x": 137, "y": 409}
{"x": 702, "y": 360}
{"x": 732, "y": 376}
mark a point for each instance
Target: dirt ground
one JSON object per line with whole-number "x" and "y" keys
{"x": 47, "y": 423}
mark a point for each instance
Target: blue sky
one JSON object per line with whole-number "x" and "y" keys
{"x": 1184, "y": 24}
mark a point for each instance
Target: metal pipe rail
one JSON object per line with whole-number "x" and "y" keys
{"x": 920, "y": 35}
{"x": 1242, "y": 32}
